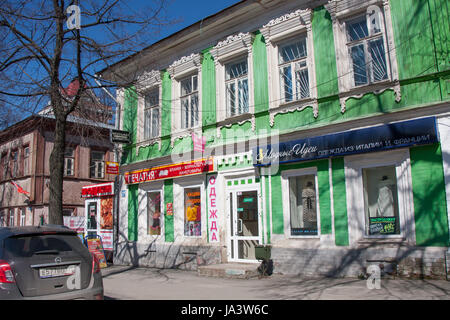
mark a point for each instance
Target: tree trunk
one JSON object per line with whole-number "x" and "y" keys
{"x": 57, "y": 173}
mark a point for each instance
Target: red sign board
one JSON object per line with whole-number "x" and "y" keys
{"x": 170, "y": 171}
{"x": 104, "y": 189}
{"x": 112, "y": 167}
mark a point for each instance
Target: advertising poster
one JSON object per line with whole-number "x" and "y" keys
{"x": 95, "y": 248}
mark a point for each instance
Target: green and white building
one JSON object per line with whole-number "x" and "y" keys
{"x": 326, "y": 130}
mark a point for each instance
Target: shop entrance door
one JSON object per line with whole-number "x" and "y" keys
{"x": 245, "y": 225}
{"x": 92, "y": 209}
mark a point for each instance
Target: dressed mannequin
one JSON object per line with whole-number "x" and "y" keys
{"x": 385, "y": 202}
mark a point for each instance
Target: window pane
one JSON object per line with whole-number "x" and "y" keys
{"x": 154, "y": 213}
{"x": 359, "y": 64}
{"x": 155, "y": 122}
{"x": 231, "y": 99}
{"x": 186, "y": 86}
{"x": 357, "y": 29}
{"x": 192, "y": 216}
{"x": 286, "y": 83}
{"x": 194, "y": 110}
{"x": 377, "y": 54}
{"x": 147, "y": 123}
{"x": 380, "y": 200}
{"x": 152, "y": 98}
{"x": 293, "y": 51}
{"x": 243, "y": 96}
{"x": 302, "y": 81}
{"x": 303, "y": 209}
{"x": 236, "y": 70}
{"x": 185, "y": 113}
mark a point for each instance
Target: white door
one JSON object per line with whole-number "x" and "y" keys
{"x": 244, "y": 224}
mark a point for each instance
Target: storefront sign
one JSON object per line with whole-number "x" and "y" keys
{"x": 97, "y": 190}
{"x": 382, "y": 225}
{"x": 170, "y": 171}
{"x": 383, "y": 137}
{"x": 119, "y": 136}
{"x": 107, "y": 239}
{"x": 213, "y": 218}
{"x": 112, "y": 167}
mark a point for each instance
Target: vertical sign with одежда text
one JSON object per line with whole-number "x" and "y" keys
{"x": 213, "y": 230}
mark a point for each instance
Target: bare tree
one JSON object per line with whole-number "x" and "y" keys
{"x": 46, "y": 45}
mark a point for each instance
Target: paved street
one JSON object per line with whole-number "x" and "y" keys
{"x": 129, "y": 283}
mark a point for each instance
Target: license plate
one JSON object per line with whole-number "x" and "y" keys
{"x": 54, "y": 272}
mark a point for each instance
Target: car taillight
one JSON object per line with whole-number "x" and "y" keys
{"x": 95, "y": 264}
{"x": 6, "y": 274}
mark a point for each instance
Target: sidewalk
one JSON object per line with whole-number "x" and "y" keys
{"x": 131, "y": 283}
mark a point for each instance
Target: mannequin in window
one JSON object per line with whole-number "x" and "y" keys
{"x": 385, "y": 202}
{"x": 309, "y": 199}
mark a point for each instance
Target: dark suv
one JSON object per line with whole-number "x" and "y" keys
{"x": 47, "y": 262}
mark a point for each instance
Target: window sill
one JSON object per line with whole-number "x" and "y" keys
{"x": 376, "y": 88}
{"x": 297, "y": 105}
{"x": 239, "y": 120}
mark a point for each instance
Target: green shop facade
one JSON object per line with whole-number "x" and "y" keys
{"x": 319, "y": 128}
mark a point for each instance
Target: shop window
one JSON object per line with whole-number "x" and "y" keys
{"x": 192, "y": 216}
{"x": 293, "y": 70}
{"x": 151, "y": 114}
{"x": 154, "y": 213}
{"x": 97, "y": 167}
{"x": 236, "y": 84}
{"x": 69, "y": 162}
{"x": 381, "y": 201}
{"x": 303, "y": 205}
{"x": 189, "y": 102}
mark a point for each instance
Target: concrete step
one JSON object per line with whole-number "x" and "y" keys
{"x": 230, "y": 270}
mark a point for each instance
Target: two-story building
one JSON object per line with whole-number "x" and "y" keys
{"x": 320, "y": 128}
{"x": 25, "y": 149}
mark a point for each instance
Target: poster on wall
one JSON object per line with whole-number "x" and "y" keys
{"x": 106, "y": 216}
{"x": 213, "y": 232}
{"x": 76, "y": 223}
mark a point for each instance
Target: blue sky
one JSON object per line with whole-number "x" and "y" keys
{"x": 191, "y": 11}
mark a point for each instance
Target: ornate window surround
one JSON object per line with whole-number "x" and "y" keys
{"x": 233, "y": 47}
{"x": 146, "y": 82}
{"x": 342, "y": 10}
{"x": 275, "y": 32}
{"x": 181, "y": 68}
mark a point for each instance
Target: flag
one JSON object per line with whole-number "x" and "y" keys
{"x": 20, "y": 189}
{"x": 199, "y": 142}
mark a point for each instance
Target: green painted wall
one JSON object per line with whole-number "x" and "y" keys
{"x": 260, "y": 74}
{"x": 324, "y": 53}
{"x": 168, "y": 220}
{"x": 339, "y": 202}
{"x": 208, "y": 89}
{"x": 133, "y": 212}
{"x": 324, "y": 196}
{"x": 430, "y": 210}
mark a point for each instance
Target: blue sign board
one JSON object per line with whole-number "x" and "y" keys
{"x": 378, "y": 138}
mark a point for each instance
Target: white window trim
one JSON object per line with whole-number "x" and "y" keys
{"x": 341, "y": 11}
{"x": 234, "y": 47}
{"x": 285, "y": 175}
{"x": 143, "y": 236}
{"x": 179, "y": 187}
{"x": 276, "y": 32}
{"x": 147, "y": 82}
{"x": 179, "y": 70}
{"x": 355, "y": 200}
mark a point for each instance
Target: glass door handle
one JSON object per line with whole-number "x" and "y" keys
{"x": 240, "y": 226}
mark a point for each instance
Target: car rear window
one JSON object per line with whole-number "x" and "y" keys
{"x": 28, "y": 245}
